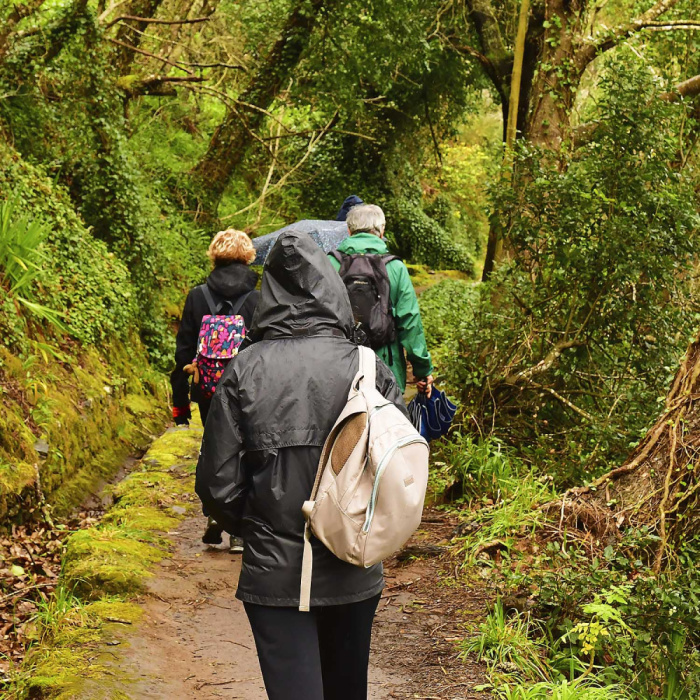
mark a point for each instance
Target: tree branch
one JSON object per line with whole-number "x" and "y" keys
{"x": 149, "y": 20}
{"x": 492, "y": 45}
{"x": 585, "y": 133}
{"x": 688, "y": 88}
{"x": 161, "y": 85}
{"x": 591, "y": 49}
{"x": 672, "y": 23}
{"x": 544, "y": 364}
{"x": 564, "y": 400}
{"x": 313, "y": 142}
{"x": 232, "y": 66}
{"x": 461, "y": 48}
{"x": 149, "y": 54}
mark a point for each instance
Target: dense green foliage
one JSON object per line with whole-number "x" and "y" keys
{"x": 571, "y": 343}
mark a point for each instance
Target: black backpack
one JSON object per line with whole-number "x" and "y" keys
{"x": 367, "y": 282}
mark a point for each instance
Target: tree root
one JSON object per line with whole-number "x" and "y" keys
{"x": 658, "y": 487}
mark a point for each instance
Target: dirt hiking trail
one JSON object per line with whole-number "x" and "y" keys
{"x": 194, "y": 640}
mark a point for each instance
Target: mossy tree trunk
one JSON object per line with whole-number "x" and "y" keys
{"x": 231, "y": 139}
{"x": 658, "y": 487}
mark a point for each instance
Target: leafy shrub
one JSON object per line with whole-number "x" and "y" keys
{"x": 503, "y": 493}
{"x": 79, "y": 277}
{"x": 612, "y": 613}
{"x": 421, "y": 238}
{"x": 561, "y": 690}
{"x": 480, "y": 469}
{"x": 567, "y": 349}
{"x": 444, "y": 308}
{"x": 20, "y": 256}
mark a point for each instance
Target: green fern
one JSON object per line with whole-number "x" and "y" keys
{"x": 21, "y": 239}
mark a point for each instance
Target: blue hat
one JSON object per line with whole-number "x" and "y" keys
{"x": 352, "y": 201}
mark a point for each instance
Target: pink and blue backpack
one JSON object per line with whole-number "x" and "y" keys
{"x": 220, "y": 336}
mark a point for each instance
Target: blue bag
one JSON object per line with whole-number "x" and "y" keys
{"x": 432, "y": 417}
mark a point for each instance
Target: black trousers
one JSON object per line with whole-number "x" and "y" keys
{"x": 204, "y": 406}
{"x": 317, "y": 655}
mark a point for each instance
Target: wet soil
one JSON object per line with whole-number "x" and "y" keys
{"x": 195, "y": 641}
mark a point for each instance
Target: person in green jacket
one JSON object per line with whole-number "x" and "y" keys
{"x": 366, "y": 224}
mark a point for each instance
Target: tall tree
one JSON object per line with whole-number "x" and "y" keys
{"x": 229, "y": 143}
{"x": 563, "y": 39}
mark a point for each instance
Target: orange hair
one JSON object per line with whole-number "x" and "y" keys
{"x": 231, "y": 246}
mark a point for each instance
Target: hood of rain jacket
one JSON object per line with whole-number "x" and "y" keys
{"x": 299, "y": 293}
{"x": 271, "y": 414}
{"x": 232, "y": 280}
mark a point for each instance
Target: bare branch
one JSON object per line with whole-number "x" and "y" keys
{"x": 564, "y": 400}
{"x": 544, "y": 364}
{"x": 673, "y": 23}
{"x": 232, "y": 66}
{"x": 150, "y": 55}
{"x": 313, "y": 142}
{"x": 149, "y": 20}
{"x": 611, "y": 39}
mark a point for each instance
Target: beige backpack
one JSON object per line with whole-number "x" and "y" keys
{"x": 368, "y": 495}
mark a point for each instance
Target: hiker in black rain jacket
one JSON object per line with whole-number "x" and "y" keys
{"x": 230, "y": 252}
{"x": 272, "y": 411}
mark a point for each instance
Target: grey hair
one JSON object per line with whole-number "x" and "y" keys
{"x": 366, "y": 217}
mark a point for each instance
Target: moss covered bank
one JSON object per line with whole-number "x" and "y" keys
{"x": 105, "y": 567}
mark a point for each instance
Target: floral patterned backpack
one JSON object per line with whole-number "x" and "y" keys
{"x": 220, "y": 335}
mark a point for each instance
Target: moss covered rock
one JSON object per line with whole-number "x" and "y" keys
{"x": 85, "y": 415}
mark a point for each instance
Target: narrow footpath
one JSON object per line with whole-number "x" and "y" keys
{"x": 194, "y": 640}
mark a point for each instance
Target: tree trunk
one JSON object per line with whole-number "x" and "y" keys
{"x": 129, "y": 31}
{"x": 229, "y": 143}
{"x": 658, "y": 487}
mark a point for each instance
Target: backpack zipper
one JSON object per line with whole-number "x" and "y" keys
{"x": 409, "y": 440}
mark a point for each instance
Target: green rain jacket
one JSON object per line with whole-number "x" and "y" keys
{"x": 409, "y": 328}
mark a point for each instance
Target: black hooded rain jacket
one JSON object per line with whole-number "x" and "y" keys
{"x": 226, "y": 282}
{"x": 270, "y": 415}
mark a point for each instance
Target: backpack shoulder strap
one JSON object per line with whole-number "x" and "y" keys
{"x": 337, "y": 255}
{"x": 388, "y": 257}
{"x": 368, "y": 369}
{"x": 235, "y": 308}
{"x": 213, "y": 306}
{"x": 368, "y": 366}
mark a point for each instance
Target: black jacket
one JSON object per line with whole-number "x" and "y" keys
{"x": 227, "y": 282}
{"x": 270, "y": 416}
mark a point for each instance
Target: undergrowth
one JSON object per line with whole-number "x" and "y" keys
{"x": 573, "y": 618}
